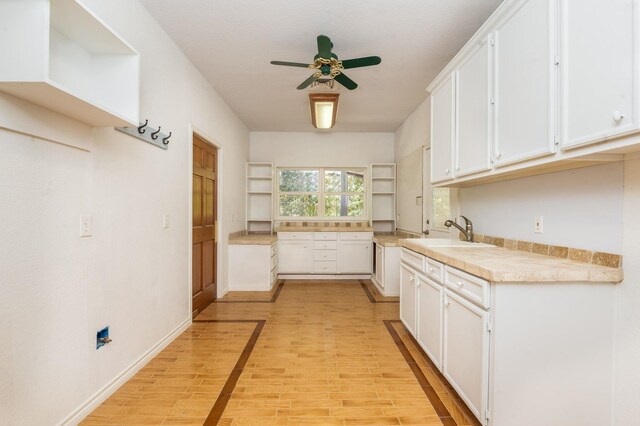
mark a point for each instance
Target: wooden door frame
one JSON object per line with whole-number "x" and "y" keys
{"x": 219, "y": 179}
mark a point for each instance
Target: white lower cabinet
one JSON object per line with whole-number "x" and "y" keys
{"x": 386, "y": 275}
{"x": 408, "y": 298}
{"x": 295, "y": 257}
{"x": 517, "y": 353}
{"x": 465, "y": 361}
{"x": 325, "y": 253}
{"x": 429, "y": 318}
{"x": 263, "y": 270}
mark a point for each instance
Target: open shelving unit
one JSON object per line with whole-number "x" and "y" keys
{"x": 59, "y": 55}
{"x": 383, "y": 197}
{"x": 259, "y": 203}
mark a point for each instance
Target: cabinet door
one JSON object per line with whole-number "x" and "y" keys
{"x": 442, "y": 130}
{"x": 408, "y": 298}
{"x": 355, "y": 257}
{"x": 599, "y": 97}
{"x": 429, "y": 318}
{"x": 465, "y": 361}
{"x": 524, "y": 83}
{"x": 380, "y": 265}
{"x": 473, "y": 112}
{"x": 294, "y": 257}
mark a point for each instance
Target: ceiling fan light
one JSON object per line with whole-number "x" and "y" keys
{"x": 324, "y": 109}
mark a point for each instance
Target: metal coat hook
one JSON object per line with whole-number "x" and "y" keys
{"x": 166, "y": 140}
{"x": 154, "y": 135}
{"x": 141, "y": 129}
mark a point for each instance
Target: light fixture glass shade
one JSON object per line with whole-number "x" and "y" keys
{"x": 324, "y": 108}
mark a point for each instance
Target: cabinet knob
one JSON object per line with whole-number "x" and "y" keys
{"x": 617, "y": 116}
{"x": 498, "y": 155}
{"x": 447, "y": 171}
{"x": 460, "y": 284}
{"x": 446, "y": 303}
{"x": 412, "y": 279}
{"x": 418, "y": 284}
{"x": 431, "y": 269}
{"x": 457, "y": 168}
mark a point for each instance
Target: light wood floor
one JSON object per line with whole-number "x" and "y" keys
{"x": 311, "y": 352}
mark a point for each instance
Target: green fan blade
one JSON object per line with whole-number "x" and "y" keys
{"x": 290, "y": 64}
{"x": 324, "y": 47}
{"x": 345, "y": 81}
{"x": 307, "y": 82}
{"x": 361, "y": 62}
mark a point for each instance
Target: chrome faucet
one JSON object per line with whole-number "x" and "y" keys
{"x": 467, "y": 230}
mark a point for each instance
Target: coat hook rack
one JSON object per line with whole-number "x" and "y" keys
{"x": 154, "y": 137}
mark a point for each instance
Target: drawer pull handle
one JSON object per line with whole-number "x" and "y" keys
{"x": 617, "y": 116}
{"x": 412, "y": 279}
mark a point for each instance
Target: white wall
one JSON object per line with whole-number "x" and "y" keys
{"x": 415, "y": 132}
{"x": 581, "y": 208}
{"x": 315, "y": 149}
{"x": 627, "y": 323}
{"x": 57, "y": 289}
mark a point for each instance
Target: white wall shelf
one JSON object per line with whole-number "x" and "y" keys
{"x": 383, "y": 197}
{"x": 259, "y": 199}
{"x": 59, "y": 55}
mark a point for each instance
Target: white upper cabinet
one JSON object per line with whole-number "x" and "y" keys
{"x": 59, "y": 55}
{"x": 524, "y": 83}
{"x": 599, "y": 99}
{"x": 442, "y": 130}
{"x": 473, "y": 111}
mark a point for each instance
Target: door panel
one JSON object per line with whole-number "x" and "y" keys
{"x": 523, "y": 84}
{"x": 598, "y": 70}
{"x": 408, "y": 299}
{"x": 429, "y": 319}
{"x": 355, "y": 257}
{"x": 204, "y": 224}
{"x": 442, "y": 131}
{"x": 294, "y": 257}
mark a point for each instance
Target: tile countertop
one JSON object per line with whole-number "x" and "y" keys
{"x": 252, "y": 239}
{"x": 324, "y": 229}
{"x": 497, "y": 264}
{"x": 387, "y": 240}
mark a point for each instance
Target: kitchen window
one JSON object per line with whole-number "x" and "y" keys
{"x": 326, "y": 193}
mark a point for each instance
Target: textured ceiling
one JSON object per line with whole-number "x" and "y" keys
{"x": 232, "y": 41}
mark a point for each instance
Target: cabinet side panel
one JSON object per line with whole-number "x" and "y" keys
{"x": 551, "y": 356}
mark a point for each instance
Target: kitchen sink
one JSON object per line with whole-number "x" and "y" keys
{"x": 446, "y": 242}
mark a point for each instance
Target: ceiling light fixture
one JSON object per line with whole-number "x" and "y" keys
{"x": 324, "y": 109}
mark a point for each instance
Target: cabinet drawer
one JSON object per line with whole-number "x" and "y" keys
{"x": 325, "y": 255}
{"x": 412, "y": 259}
{"x": 320, "y": 236}
{"x": 294, "y": 235}
{"x": 274, "y": 249}
{"x": 472, "y": 288}
{"x": 325, "y": 245}
{"x": 325, "y": 267}
{"x": 434, "y": 270}
{"x": 356, "y": 235}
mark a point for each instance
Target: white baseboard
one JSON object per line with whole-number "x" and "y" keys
{"x": 380, "y": 289}
{"x": 99, "y": 397}
{"x": 251, "y": 287}
{"x": 324, "y": 277}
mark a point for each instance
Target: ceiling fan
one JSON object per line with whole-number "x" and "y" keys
{"x": 327, "y": 64}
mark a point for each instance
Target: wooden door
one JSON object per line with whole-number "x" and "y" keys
{"x": 204, "y": 223}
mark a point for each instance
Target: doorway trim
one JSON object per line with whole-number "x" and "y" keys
{"x": 219, "y": 209}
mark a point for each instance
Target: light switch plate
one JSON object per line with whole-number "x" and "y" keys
{"x": 85, "y": 225}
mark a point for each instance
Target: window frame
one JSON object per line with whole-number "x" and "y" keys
{"x": 322, "y": 193}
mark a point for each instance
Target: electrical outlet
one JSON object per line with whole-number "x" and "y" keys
{"x": 85, "y": 225}
{"x": 102, "y": 337}
{"x": 165, "y": 221}
{"x": 538, "y": 227}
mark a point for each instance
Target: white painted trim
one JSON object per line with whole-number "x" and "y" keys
{"x": 324, "y": 277}
{"x": 107, "y": 390}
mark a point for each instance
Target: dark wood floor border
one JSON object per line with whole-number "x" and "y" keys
{"x": 429, "y": 391}
{"x": 273, "y": 299}
{"x": 372, "y": 299}
{"x": 227, "y": 390}
{"x": 463, "y": 406}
